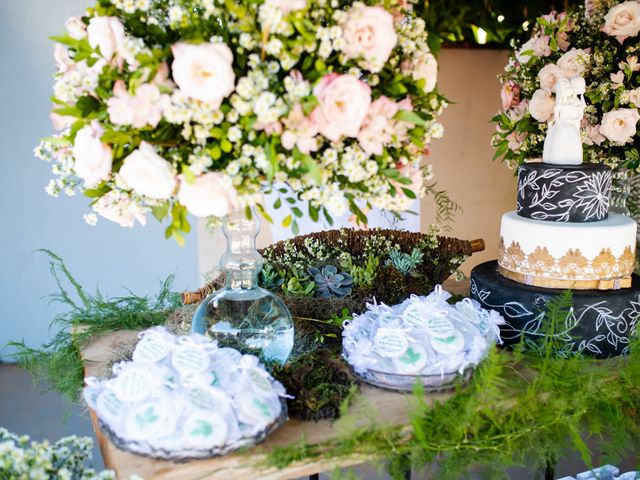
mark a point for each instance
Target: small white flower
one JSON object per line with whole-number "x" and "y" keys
{"x": 234, "y": 134}
{"x": 90, "y": 219}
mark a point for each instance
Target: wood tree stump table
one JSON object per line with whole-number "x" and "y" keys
{"x": 372, "y": 406}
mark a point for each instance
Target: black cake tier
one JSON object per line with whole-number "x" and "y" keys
{"x": 600, "y": 325}
{"x": 564, "y": 193}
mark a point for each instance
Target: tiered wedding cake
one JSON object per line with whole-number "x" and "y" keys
{"x": 562, "y": 236}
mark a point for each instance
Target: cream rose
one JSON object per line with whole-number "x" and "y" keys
{"x": 620, "y": 125}
{"x": 211, "y": 194}
{"x": 106, "y": 34}
{"x": 147, "y": 173}
{"x": 93, "y": 158}
{"x": 425, "y": 67}
{"x": 203, "y": 71}
{"x": 549, "y": 76}
{"x": 369, "y": 33}
{"x": 623, "y": 21}
{"x": 76, "y": 28}
{"x": 541, "y": 105}
{"x": 343, "y": 104}
{"x": 574, "y": 62}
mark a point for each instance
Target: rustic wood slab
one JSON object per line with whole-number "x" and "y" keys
{"x": 372, "y": 406}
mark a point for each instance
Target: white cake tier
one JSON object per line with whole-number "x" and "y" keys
{"x": 568, "y": 255}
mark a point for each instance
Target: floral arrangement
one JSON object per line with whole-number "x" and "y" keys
{"x": 66, "y": 459}
{"x": 599, "y": 42}
{"x": 172, "y": 107}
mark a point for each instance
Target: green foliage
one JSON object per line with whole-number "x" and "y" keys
{"x": 364, "y": 276}
{"x": 58, "y": 362}
{"x": 520, "y": 408}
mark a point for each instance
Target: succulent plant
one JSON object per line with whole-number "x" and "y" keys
{"x": 330, "y": 283}
{"x": 405, "y": 263}
{"x": 270, "y": 278}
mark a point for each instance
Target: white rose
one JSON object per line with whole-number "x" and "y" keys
{"x": 426, "y": 68}
{"x": 523, "y": 57}
{"x": 634, "y": 97}
{"x": 541, "y": 105}
{"x": 287, "y": 6}
{"x": 106, "y": 34}
{"x": 76, "y": 28}
{"x": 343, "y": 103}
{"x": 93, "y": 158}
{"x": 203, "y": 71}
{"x": 573, "y": 63}
{"x": 211, "y": 194}
{"x": 623, "y": 21}
{"x": 620, "y": 125}
{"x": 148, "y": 173}
{"x": 549, "y": 76}
{"x": 369, "y": 33}
{"x": 120, "y": 209}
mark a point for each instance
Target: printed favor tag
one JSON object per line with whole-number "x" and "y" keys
{"x": 448, "y": 345}
{"x": 256, "y": 410}
{"x": 205, "y": 430}
{"x": 151, "y": 349}
{"x": 412, "y": 361}
{"x": 189, "y": 359}
{"x": 133, "y": 384}
{"x": 147, "y": 421}
{"x": 109, "y": 407}
{"x": 390, "y": 343}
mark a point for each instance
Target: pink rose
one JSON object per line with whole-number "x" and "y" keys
{"x": 549, "y": 76}
{"x": 203, "y": 71}
{"x": 510, "y": 95}
{"x": 300, "y": 132}
{"x": 143, "y": 108}
{"x": 516, "y": 140}
{"x": 211, "y": 194}
{"x": 623, "y": 21}
{"x": 60, "y": 122}
{"x": 541, "y": 47}
{"x": 377, "y": 129}
{"x": 574, "y": 62}
{"x": 620, "y": 125}
{"x": 593, "y": 134}
{"x": 343, "y": 104}
{"x": 93, "y": 158}
{"x": 369, "y": 33}
{"x": 106, "y": 34}
{"x": 120, "y": 209}
{"x": 541, "y": 105}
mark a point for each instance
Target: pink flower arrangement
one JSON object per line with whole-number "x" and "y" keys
{"x": 597, "y": 42}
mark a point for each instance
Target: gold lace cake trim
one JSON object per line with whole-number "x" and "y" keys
{"x": 605, "y": 284}
{"x": 573, "y": 265}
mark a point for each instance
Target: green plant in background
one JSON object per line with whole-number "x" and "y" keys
{"x": 406, "y": 263}
{"x": 330, "y": 282}
{"x": 58, "y": 362}
{"x": 364, "y": 276}
{"x": 484, "y": 22}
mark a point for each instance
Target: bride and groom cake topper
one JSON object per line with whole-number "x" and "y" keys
{"x": 563, "y": 144}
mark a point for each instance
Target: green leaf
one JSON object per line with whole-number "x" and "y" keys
{"x": 314, "y": 214}
{"x": 311, "y": 166}
{"x": 297, "y": 212}
{"x": 409, "y": 117}
{"x": 295, "y": 228}
{"x": 286, "y": 221}
{"x": 409, "y": 193}
{"x": 264, "y": 213}
{"x": 226, "y": 145}
{"x": 160, "y": 211}
{"x": 97, "y": 192}
{"x": 278, "y": 203}
{"x": 88, "y": 105}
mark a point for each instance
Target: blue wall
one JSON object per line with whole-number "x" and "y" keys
{"x": 106, "y": 255}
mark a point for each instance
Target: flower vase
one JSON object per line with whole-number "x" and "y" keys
{"x": 620, "y": 190}
{"x": 242, "y": 314}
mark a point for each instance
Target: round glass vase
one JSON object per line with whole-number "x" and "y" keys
{"x": 243, "y": 315}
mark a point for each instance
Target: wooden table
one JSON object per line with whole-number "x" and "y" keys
{"x": 372, "y": 406}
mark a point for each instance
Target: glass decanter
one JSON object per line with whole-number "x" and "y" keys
{"x": 242, "y": 314}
